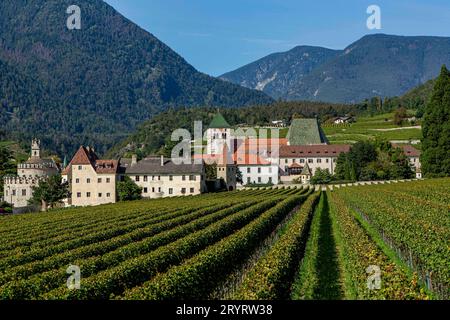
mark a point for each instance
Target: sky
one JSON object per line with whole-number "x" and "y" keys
{"x": 217, "y": 36}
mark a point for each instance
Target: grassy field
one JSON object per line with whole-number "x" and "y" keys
{"x": 364, "y": 129}
{"x": 369, "y": 128}
{"x": 253, "y": 244}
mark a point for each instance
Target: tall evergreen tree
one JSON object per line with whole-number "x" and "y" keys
{"x": 7, "y": 165}
{"x": 436, "y": 129}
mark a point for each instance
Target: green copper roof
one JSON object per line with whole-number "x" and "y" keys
{"x": 305, "y": 132}
{"x": 306, "y": 170}
{"x": 219, "y": 122}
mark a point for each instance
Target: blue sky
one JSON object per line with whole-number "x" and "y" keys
{"x": 217, "y": 36}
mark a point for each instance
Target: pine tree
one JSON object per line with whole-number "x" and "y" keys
{"x": 436, "y": 129}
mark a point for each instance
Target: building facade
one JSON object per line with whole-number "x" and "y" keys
{"x": 257, "y": 170}
{"x": 293, "y": 159}
{"x": 18, "y": 190}
{"x": 218, "y": 134}
{"x": 413, "y": 156}
{"x": 160, "y": 177}
{"x": 91, "y": 181}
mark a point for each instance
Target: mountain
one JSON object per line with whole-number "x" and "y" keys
{"x": 376, "y": 65}
{"x": 93, "y": 85}
{"x": 278, "y": 73}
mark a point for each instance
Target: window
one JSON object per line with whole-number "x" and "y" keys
{"x": 259, "y": 179}
{"x": 334, "y": 159}
{"x": 14, "y": 192}
{"x": 159, "y": 178}
{"x": 100, "y": 195}
{"x": 319, "y": 160}
{"x": 170, "y": 191}
{"x": 108, "y": 180}
{"x": 24, "y": 192}
{"x": 80, "y": 167}
{"x": 327, "y": 160}
{"x": 99, "y": 180}
{"x": 159, "y": 189}
{"x": 270, "y": 179}
{"x": 153, "y": 189}
{"x": 248, "y": 170}
{"x": 88, "y": 180}
{"x": 183, "y": 190}
{"x": 108, "y": 195}
{"x": 259, "y": 170}
{"x": 88, "y": 194}
{"x": 145, "y": 190}
{"x": 170, "y": 178}
{"x": 77, "y": 180}
{"x": 183, "y": 178}
{"x": 78, "y": 194}
{"x": 192, "y": 190}
{"x": 191, "y": 178}
{"x": 310, "y": 160}
{"x": 145, "y": 178}
{"x": 136, "y": 178}
{"x": 302, "y": 160}
{"x": 153, "y": 178}
{"x": 285, "y": 160}
{"x": 248, "y": 180}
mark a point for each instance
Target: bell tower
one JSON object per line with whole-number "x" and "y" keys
{"x": 36, "y": 148}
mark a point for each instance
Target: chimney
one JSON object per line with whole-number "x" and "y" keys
{"x": 162, "y": 161}
{"x": 133, "y": 160}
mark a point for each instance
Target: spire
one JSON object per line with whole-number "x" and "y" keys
{"x": 306, "y": 170}
{"x": 219, "y": 122}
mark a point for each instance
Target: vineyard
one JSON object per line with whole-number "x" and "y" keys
{"x": 277, "y": 243}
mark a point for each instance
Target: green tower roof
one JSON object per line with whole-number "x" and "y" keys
{"x": 305, "y": 132}
{"x": 219, "y": 122}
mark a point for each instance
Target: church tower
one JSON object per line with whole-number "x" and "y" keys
{"x": 36, "y": 148}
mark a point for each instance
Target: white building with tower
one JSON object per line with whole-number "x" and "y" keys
{"x": 218, "y": 135}
{"x": 18, "y": 188}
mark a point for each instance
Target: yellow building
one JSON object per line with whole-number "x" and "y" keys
{"x": 91, "y": 181}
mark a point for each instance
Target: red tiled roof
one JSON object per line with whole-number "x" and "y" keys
{"x": 253, "y": 145}
{"x": 106, "y": 166}
{"x": 87, "y": 156}
{"x": 249, "y": 159}
{"x": 408, "y": 150}
{"x": 313, "y": 151}
{"x": 295, "y": 165}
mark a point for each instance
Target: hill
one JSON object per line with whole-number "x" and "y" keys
{"x": 155, "y": 133}
{"x": 376, "y": 65}
{"x": 93, "y": 85}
